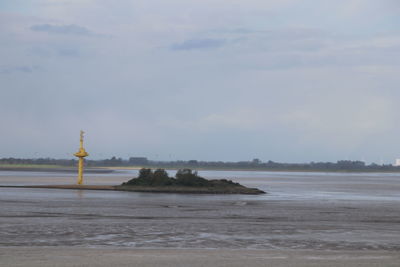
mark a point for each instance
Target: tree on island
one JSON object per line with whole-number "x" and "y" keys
{"x": 183, "y": 177}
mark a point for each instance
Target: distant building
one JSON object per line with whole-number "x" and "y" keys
{"x": 397, "y": 163}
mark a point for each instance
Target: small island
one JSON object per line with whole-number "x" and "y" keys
{"x": 185, "y": 181}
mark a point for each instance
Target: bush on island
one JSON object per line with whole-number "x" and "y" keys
{"x": 183, "y": 177}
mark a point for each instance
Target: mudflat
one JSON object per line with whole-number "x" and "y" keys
{"x": 68, "y": 256}
{"x": 60, "y": 186}
{"x": 150, "y": 189}
{"x": 304, "y": 220}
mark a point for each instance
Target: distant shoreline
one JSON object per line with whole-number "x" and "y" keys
{"x": 57, "y": 168}
{"x": 249, "y": 169}
{"x": 38, "y": 168}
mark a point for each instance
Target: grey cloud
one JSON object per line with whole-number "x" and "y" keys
{"x": 55, "y": 50}
{"x": 278, "y": 34}
{"x": 20, "y": 69}
{"x": 199, "y": 44}
{"x": 41, "y": 51}
{"x": 294, "y": 40}
{"x": 295, "y": 34}
{"x": 62, "y": 29}
{"x": 278, "y": 40}
{"x": 69, "y": 52}
{"x": 289, "y": 46}
{"x": 336, "y": 58}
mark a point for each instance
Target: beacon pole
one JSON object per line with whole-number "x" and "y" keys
{"x": 81, "y": 154}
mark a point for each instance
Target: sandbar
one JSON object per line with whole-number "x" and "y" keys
{"x": 144, "y": 189}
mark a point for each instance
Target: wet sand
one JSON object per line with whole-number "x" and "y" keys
{"x": 67, "y": 186}
{"x": 150, "y": 189}
{"x": 56, "y": 217}
{"x": 105, "y": 257}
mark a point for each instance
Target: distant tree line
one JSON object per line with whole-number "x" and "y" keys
{"x": 38, "y": 161}
{"x": 255, "y": 164}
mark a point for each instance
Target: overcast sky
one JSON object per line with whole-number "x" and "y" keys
{"x": 282, "y": 80}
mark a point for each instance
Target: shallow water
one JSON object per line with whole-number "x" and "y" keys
{"x": 301, "y": 210}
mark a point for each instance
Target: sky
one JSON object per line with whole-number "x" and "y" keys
{"x": 281, "y": 80}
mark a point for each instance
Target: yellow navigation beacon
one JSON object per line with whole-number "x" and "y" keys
{"x": 81, "y": 154}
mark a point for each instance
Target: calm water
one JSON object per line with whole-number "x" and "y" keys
{"x": 301, "y": 210}
{"x": 279, "y": 185}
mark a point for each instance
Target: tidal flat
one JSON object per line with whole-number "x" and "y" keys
{"x": 349, "y": 217}
{"x": 105, "y": 257}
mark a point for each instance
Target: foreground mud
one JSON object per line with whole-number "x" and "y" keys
{"x": 105, "y": 257}
{"x": 43, "y": 217}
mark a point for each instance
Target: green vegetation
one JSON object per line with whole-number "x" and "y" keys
{"x": 185, "y": 177}
{"x": 185, "y": 181}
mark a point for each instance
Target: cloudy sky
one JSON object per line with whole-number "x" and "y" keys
{"x": 282, "y": 80}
